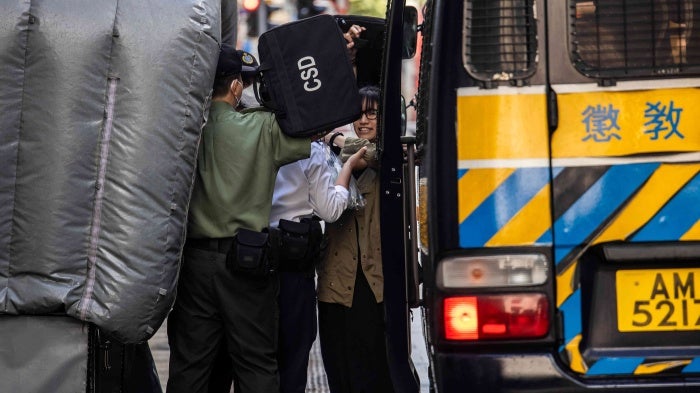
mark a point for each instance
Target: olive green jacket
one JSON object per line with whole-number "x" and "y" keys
{"x": 237, "y": 163}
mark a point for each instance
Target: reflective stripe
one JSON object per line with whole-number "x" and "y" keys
{"x": 658, "y": 190}
{"x": 528, "y": 224}
{"x": 476, "y": 185}
{"x": 506, "y": 200}
{"x": 658, "y": 367}
{"x": 693, "y": 367}
{"x": 565, "y": 283}
{"x": 611, "y": 366}
{"x": 591, "y": 211}
{"x": 677, "y": 217}
{"x": 576, "y": 360}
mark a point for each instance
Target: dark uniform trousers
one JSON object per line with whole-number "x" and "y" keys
{"x": 297, "y": 324}
{"x": 297, "y": 303}
{"x": 215, "y": 307}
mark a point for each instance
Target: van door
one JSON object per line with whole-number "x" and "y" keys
{"x": 403, "y": 374}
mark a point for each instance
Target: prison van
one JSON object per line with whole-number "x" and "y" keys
{"x": 559, "y": 195}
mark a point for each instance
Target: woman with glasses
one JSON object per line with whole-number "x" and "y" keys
{"x": 350, "y": 280}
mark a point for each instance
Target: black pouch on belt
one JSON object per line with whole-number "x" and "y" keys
{"x": 249, "y": 254}
{"x": 297, "y": 245}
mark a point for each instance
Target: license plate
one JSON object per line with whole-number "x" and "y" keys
{"x": 657, "y": 300}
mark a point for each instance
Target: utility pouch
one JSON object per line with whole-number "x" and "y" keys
{"x": 249, "y": 254}
{"x": 294, "y": 239}
{"x": 297, "y": 244}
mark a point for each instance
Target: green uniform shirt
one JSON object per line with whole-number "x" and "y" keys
{"x": 238, "y": 159}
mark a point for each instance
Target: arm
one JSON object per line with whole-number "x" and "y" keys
{"x": 327, "y": 198}
{"x": 285, "y": 149}
{"x": 353, "y": 32}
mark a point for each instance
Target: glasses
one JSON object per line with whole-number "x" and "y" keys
{"x": 370, "y": 113}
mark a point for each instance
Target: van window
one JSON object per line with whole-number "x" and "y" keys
{"x": 612, "y": 38}
{"x": 499, "y": 39}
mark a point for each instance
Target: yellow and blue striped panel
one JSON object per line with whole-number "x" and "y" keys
{"x": 504, "y": 175}
{"x": 628, "y": 187}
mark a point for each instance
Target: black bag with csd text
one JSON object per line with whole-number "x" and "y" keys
{"x": 307, "y": 77}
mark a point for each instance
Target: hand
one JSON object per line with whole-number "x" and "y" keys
{"x": 357, "y": 160}
{"x": 353, "y": 32}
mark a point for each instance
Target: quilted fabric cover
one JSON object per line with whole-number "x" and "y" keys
{"x": 101, "y": 108}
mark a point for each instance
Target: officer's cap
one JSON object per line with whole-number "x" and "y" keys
{"x": 235, "y": 62}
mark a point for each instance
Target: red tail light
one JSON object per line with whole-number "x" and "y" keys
{"x": 489, "y": 317}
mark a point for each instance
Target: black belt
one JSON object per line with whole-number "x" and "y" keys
{"x": 222, "y": 245}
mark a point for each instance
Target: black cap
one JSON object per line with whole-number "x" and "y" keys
{"x": 235, "y": 62}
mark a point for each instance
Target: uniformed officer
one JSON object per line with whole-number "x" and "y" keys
{"x": 227, "y": 295}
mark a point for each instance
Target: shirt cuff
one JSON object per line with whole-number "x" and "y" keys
{"x": 342, "y": 191}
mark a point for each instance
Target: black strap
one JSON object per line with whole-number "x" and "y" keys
{"x": 335, "y": 149}
{"x": 337, "y": 134}
{"x": 260, "y": 84}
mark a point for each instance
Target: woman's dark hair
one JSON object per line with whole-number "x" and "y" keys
{"x": 370, "y": 94}
{"x": 221, "y": 85}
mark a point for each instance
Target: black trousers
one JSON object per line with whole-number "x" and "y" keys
{"x": 215, "y": 307}
{"x": 297, "y": 332}
{"x": 297, "y": 303}
{"x": 353, "y": 343}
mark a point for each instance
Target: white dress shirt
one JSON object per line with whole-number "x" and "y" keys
{"x": 307, "y": 187}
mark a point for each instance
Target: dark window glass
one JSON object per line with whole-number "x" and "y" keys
{"x": 627, "y": 38}
{"x": 500, "y": 39}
